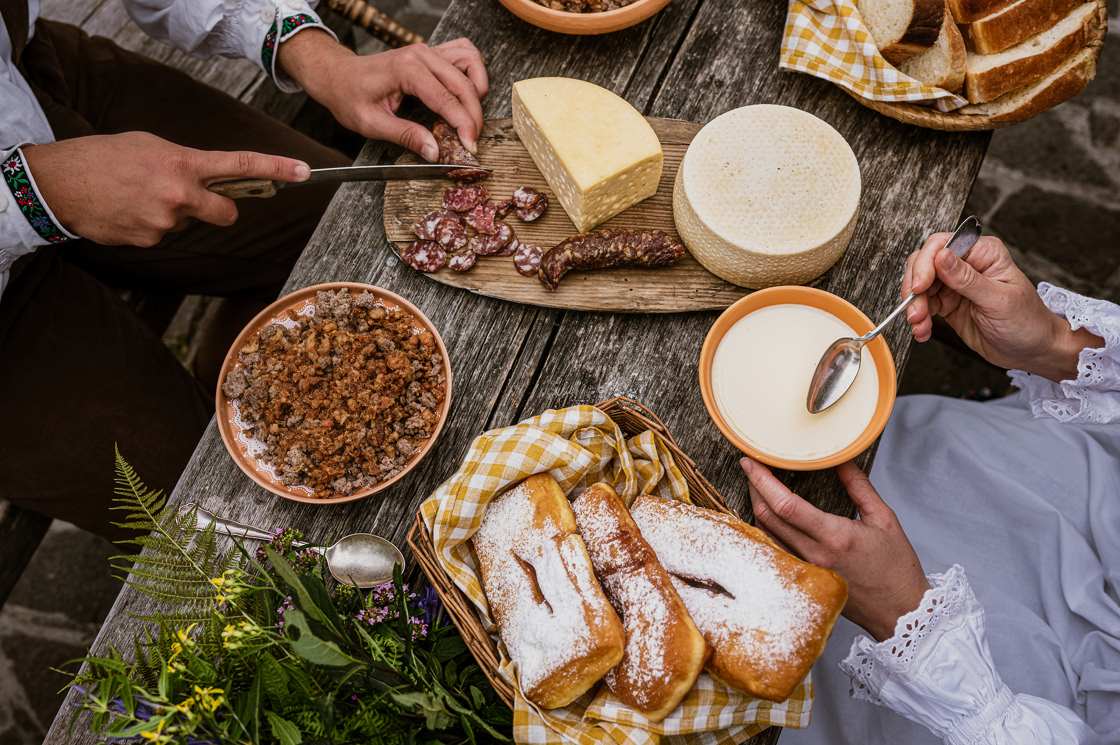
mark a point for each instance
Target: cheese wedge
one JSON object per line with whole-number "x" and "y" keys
{"x": 596, "y": 151}
{"x": 767, "y": 195}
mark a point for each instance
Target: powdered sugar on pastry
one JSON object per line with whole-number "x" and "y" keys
{"x": 538, "y": 580}
{"x": 735, "y": 592}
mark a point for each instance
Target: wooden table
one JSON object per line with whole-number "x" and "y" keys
{"x": 695, "y": 60}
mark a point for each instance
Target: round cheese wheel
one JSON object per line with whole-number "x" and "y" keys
{"x": 767, "y": 195}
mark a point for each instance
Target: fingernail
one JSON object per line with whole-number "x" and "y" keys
{"x": 302, "y": 171}
{"x": 430, "y": 152}
{"x": 471, "y": 145}
{"x": 911, "y": 312}
{"x": 746, "y": 463}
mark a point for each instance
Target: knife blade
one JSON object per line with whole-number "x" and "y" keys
{"x": 263, "y": 188}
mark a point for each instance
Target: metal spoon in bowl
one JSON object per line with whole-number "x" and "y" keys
{"x": 839, "y": 364}
{"x": 360, "y": 559}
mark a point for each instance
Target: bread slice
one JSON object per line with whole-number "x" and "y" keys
{"x": 902, "y": 28}
{"x": 943, "y": 64}
{"x": 989, "y": 76}
{"x": 1016, "y": 23}
{"x": 1060, "y": 85}
{"x": 967, "y": 11}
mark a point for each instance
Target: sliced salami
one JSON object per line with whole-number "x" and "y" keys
{"x": 464, "y": 198}
{"x": 451, "y": 234}
{"x": 486, "y": 245}
{"x": 530, "y": 203}
{"x": 503, "y": 208}
{"x": 482, "y": 218}
{"x": 462, "y": 262}
{"x": 527, "y": 259}
{"x": 453, "y": 151}
{"x": 425, "y": 227}
{"x": 503, "y": 231}
{"x": 424, "y": 256}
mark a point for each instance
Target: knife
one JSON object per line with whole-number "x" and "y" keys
{"x": 260, "y": 187}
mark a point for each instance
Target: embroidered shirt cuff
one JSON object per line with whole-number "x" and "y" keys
{"x": 25, "y": 193}
{"x": 1094, "y": 395}
{"x": 291, "y": 18}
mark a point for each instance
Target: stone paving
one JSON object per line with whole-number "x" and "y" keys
{"x": 1049, "y": 187}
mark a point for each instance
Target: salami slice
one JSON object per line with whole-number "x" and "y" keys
{"x": 453, "y": 151}
{"x": 451, "y": 234}
{"x": 482, "y": 218}
{"x": 464, "y": 198}
{"x": 462, "y": 262}
{"x": 527, "y": 259}
{"x": 425, "y": 227}
{"x": 424, "y": 256}
{"x": 503, "y": 208}
{"x": 529, "y": 203}
{"x": 503, "y": 231}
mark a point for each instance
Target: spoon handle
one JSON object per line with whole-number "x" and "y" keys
{"x": 205, "y": 518}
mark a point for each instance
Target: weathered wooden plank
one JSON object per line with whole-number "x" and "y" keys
{"x": 915, "y": 181}
{"x": 490, "y": 342}
{"x": 70, "y": 11}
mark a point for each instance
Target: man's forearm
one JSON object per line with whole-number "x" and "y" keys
{"x": 307, "y": 58}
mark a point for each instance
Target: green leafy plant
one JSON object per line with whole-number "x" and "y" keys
{"x": 263, "y": 647}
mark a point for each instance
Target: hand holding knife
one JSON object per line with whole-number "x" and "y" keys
{"x": 263, "y": 188}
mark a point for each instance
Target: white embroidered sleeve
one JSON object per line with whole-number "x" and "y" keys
{"x": 937, "y": 671}
{"x": 253, "y": 29}
{"x": 1094, "y": 395}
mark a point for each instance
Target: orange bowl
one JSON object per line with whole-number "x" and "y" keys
{"x": 238, "y": 445}
{"x": 836, "y": 306}
{"x": 584, "y": 24}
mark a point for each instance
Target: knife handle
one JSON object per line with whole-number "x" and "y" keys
{"x": 243, "y": 188}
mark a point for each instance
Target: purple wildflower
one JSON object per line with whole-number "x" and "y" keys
{"x": 288, "y": 604}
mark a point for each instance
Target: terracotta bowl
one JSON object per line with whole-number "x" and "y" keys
{"x": 583, "y": 24}
{"x": 826, "y": 301}
{"x": 286, "y": 307}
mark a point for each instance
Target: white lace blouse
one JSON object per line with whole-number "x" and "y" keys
{"x": 1024, "y": 495}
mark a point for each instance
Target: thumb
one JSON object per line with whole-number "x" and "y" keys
{"x": 960, "y": 276}
{"x": 407, "y": 134}
{"x": 867, "y": 500}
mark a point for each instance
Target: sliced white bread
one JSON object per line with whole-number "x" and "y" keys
{"x": 967, "y": 11}
{"x": 1016, "y": 23}
{"x": 943, "y": 64}
{"x": 989, "y": 76}
{"x": 1060, "y": 85}
{"x": 902, "y": 28}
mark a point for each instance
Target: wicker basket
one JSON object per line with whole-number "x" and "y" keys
{"x": 632, "y": 418}
{"x": 930, "y": 118}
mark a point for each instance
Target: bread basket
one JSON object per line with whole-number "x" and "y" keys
{"x": 633, "y": 418}
{"x": 931, "y": 118}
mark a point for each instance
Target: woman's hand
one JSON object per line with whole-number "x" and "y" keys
{"x": 131, "y": 189}
{"x": 364, "y": 92}
{"x": 885, "y": 577}
{"x": 992, "y": 306}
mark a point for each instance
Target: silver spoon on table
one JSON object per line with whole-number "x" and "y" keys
{"x": 839, "y": 364}
{"x": 360, "y": 559}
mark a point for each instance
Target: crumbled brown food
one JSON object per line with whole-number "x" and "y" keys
{"x": 343, "y": 399}
{"x": 584, "y": 6}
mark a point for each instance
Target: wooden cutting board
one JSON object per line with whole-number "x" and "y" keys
{"x": 686, "y": 286}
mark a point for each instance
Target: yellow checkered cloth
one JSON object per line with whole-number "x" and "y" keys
{"x": 827, "y": 38}
{"x": 579, "y": 446}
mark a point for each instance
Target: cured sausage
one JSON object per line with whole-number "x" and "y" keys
{"x": 529, "y": 203}
{"x": 453, "y": 151}
{"x": 526, "y": 258}
{"x": 424, "y": 256}
{"x": 425, "y": 227}
{"x": 464, "y": 198}
{"x": 608, "y": 248}
{"x": 450, "y": 233}
{"x": 482, "y": 218}
{"x": 462, "y": 262}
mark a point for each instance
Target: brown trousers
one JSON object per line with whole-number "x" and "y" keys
{"x": 79, "y": 372}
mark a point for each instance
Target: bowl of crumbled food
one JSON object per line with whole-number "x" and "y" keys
{"x": 584, "y": 17}
{"x": 333, "y": 393}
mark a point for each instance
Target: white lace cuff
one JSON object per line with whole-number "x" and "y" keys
{"x": 937, "y": 671}
{"x": 1094, "y": 396}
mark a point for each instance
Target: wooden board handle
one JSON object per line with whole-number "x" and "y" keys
{"x": 244, "y": 188}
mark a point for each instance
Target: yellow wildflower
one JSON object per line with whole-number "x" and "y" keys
{"x": 177, "y": 647}
{"x": 209, "y": 698}
{"x": 157, "y": 736}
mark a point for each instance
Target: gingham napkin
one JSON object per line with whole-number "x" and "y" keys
{"x": 827, "y": 38}
{"x": 579, "y": 446}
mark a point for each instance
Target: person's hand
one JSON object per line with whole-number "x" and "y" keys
{"x": 133, "y": 188}
{"x": 885, "y": 577}
{"x": 364, "y": 92}
{"x": 992, "y": 306}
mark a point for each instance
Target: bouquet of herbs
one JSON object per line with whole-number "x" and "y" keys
{"x": 262, "y": 647}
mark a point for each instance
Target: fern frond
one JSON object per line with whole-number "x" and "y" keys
{"x": 172, "y": 563}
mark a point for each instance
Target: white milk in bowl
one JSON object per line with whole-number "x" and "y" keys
{"x": 760, "y": 378}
